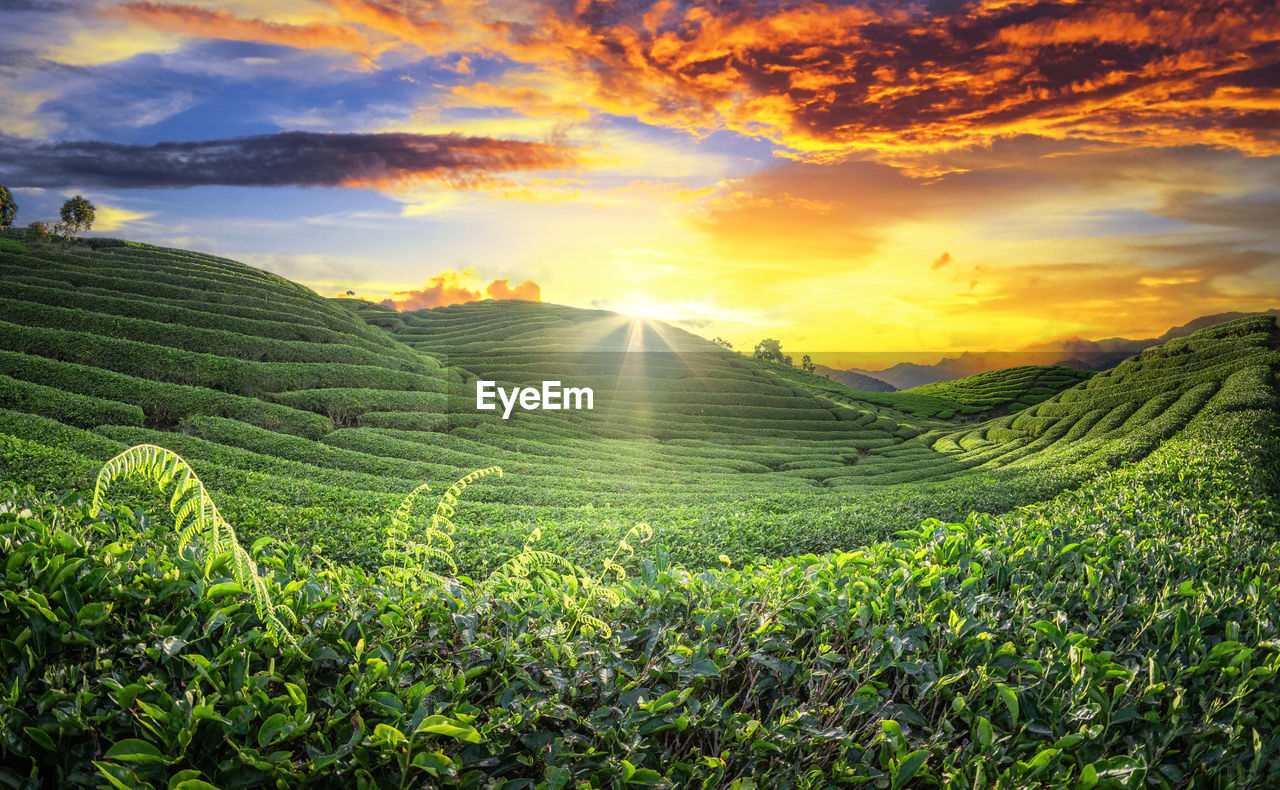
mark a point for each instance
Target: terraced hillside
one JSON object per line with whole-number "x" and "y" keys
{"x": 1122, "y": 634}
{"x": 310, "y": 417}
{"x": 662, "y": 396}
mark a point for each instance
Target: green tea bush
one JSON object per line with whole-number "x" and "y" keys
{"x": 66, "y": 407}
{"x": 256, "y": 348}
{"x": 1119, "y": 635}
{"x": 256, "y": 323}
{"x": 421, "y": 421}
{"x": 164, "y": 363}
{"x": 165, "y": 405}
{"x": 346, "y": 406}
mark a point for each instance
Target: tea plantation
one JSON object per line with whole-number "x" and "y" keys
{"x": 1028, "y": 578}
{"x": 309, "y": 417}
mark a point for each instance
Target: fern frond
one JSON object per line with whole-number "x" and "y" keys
{"x": 195, "y": 516}
{"x": 407, "y": 558}
{"x": 595, "y": 622}
{"x": 608, "y": 596}
{"x": 440, "y": 554}
{"x": 617, "y": 570}
{"x": 526, "y": 562}
{"x": 444, "y": 508}
{"x": 400, "y": 518}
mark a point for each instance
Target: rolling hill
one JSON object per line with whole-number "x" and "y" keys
{"x": 1028, "y": 578}
{"x": 316, "y": 413}
{"x": 854, "y": 380}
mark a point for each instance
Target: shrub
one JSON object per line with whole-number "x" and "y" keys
{"x": 36, "y": 233}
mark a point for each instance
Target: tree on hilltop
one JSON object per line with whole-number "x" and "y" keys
{"x": 807, "y": 364}
{"x": 769, "y": 350}
{"x": 8, "y": 207}
{"x": 77, "y": 216}
{"x": 720, "y": 341}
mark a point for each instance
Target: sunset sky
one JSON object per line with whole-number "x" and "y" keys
{"x": 873, "y": 175}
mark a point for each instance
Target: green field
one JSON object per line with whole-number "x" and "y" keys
{"x": 1029, "y": 577}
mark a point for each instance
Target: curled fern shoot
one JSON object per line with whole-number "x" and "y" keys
{"x": 577, "y": 589}
{"x": 408, "y": 550}
{"x": 440, "y": 520}
{"x": 196, "y": 517}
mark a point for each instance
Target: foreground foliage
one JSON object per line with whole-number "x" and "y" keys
{"x": 1126, "y": 634}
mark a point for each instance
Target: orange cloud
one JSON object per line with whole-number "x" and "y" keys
{"x": 941, "y": 260}
{"x": 527, "y": 290}
{"x": 200, "y": 22}
{"x": 827, "y": 80}
{"x": 525, "y": 100}
{"x": 773, "y": 215}
{"x": 430, "y": 35}
{"x": 954, "y": 80}
{"x": 447, "y": 287}
{"x": 451, "y": 287}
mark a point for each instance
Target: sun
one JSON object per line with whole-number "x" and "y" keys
{"x": 641, "y": 306}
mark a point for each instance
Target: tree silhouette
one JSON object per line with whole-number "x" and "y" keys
{"x": 769, "y": 350}
{"x": 77, "y": 216}
{"x": 8, "y": 207}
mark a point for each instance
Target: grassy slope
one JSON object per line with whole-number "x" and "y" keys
{"x": 971, "y": 398}
{"x": 305, "y": 421}
{"x": 1121, "y": 635}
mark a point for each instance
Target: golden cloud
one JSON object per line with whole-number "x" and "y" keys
{"x": 452, "y": 287}
{"x": 527, "y": 290}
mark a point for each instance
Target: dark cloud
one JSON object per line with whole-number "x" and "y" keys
{"x": 286, "y": 159}
{"x": 42, "y": 6}
{"x": 1254, "y": 213}
{"x": 14, "y": 62}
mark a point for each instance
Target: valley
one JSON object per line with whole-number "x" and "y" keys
{"x": 1001, "y": 576}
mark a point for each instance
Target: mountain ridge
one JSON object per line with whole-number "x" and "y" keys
{"x": 1078, "y": 353}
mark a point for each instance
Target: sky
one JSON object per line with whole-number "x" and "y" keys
{"x": 874, "y": 176}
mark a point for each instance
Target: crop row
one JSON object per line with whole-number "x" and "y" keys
{"x": 195, "y": 314}
{"x": 164, "y": 363}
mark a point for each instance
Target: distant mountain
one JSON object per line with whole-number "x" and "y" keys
{"x": 1109, "y": 352}
{"x": 906, "y": 375}
{"x": 855, "y": 380}
{"x": 1073, "y": 353}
